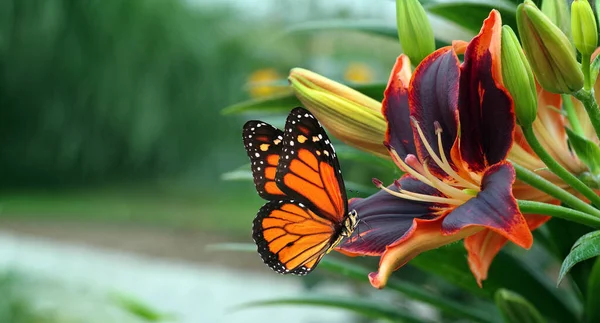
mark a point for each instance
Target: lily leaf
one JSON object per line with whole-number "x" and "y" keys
{"x": 592, "y": 310}
{"x": 595, "y": 67}
{"x": 586, "y": 150}
{"x": 375, "y": 27}
{"x": 450, "y": 263}
{"x": 456, "y": 309}
{"x": 470, "y": 14}
{"x": 244, "y": 173}
{"x": 560, "y": 235}
{"x": 285, "y": 101}
{"x": 359, "y": 273}
{"x": 361, "y": 306}
{"x": 586, "y": 247}
{"x": 275, "y": 103}
{"x": 345, "y": 152}
{"x": 515, "y": 308}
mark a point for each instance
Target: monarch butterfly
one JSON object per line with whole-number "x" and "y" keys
{"x": 298, "y": 172}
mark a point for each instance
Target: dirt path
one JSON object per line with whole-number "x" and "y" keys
{"x": 168, "y": 243}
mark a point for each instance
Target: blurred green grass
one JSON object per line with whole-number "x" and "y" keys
{"x": 163, "y": 205}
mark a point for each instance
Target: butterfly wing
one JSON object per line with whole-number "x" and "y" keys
{"x": 291, "y": 238}
{"x": 263, "y": 144}
{"x": 309, "y": 169}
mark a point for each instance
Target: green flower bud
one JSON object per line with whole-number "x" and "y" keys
{"x": 548, "y": 50}
{"x": 518, "y": 78}
{"x": 347, "y": 114}
{"x": 414, "y": 30}
{"x": 583, "y": 24}
{"x": 558, "y": 12}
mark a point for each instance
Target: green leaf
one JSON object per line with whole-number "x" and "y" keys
{"x": 586, "y": 150}
{"x": 361, "y": 306}
{"x": 559, "y": 236}
{"x": 595, "y": 67}
{"x": 506, "y": 271}
{"x": 470, "y": 14}
{"x": 375, "y": 27}
{"x": 245, "y": 174}
{"x": 586, "y": 247}
{"x": 351, "y": 270}
{"x": 450, "y": 307}
{"x": 592, "y": 310}
{"x": 345, "y": 152}
{"x": 515, "y": 308}
{"x": 275, "y": 103}
{"x": 139, "y": 309}
{"x": 286, "y": 101}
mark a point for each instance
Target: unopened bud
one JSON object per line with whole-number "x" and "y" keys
{"x": 558, "y": 12}
{"x": 583, "y": 24}
{"x": 414, "y": 30}
{"x": 548, "y": 51}
{"x": 518, "y": 78}
{"x": 347, "y": 114}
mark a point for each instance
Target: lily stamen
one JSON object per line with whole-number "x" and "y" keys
{"x": 446, "y": 188}
{"x": 407, "y": 195}
{"x": 412, "y": 170}
{"x": 445, "y": 166}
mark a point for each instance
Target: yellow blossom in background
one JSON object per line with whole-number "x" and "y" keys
{"x": 358, "y": 73}
{"x": 262, "y": 83}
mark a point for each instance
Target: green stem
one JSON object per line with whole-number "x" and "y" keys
{"x": 549, "y": 188}
{"x": 557, "y": 169}
{"x": 590, "y": 105}
{"x": 572, "y": 115}
{"x": 531, "y": 207}
{"x": 585, "y": 68}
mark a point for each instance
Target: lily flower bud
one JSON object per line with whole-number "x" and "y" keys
{"x": 558, "y": 12}
{"x": 347, "y": 114}
{"x": 414, "y": 30}
{"x": 518, "y": 78}
{"x": 583, "y": 24}
{"x": 548, "y": 50}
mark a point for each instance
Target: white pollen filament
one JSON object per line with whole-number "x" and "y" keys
{"x": 453, "y": 190}
{"x": 407, "y": 195}
{"x": 444, "y": 165}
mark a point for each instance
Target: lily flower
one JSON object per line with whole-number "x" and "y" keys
{"x": 449, "y": 128}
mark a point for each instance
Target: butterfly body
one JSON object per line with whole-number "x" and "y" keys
{"x": 297, "y": 171}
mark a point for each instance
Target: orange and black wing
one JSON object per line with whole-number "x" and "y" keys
{"x": 291, "y": 239}
{"x": 263, "y": 144}
{"x": 308, "y": 169}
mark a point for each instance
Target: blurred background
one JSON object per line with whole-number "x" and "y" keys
{"x": 118, "y": 168}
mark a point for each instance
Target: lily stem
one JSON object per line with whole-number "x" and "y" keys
{"x": 572, "y": 115}
{"x": 531, "y": 207}
{"x": 556, "y": 168}
{"x": 589, "y": 102}
{"x": 585, "y": 68}
{"x": 549, "y": 188}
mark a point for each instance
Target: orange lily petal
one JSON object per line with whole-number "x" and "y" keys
{"x": 483, "y": 246}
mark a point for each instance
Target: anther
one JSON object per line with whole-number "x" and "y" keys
{"x": 414, "y": 121}
{"x": 377, "y": 182}
{"x": 438, "y": 127}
